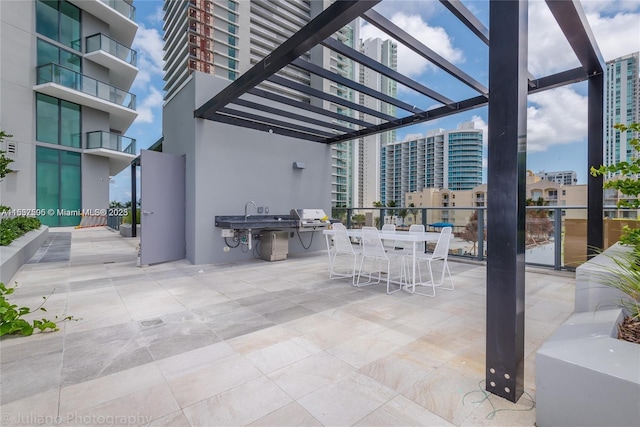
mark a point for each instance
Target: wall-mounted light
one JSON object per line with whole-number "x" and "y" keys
{"x": 299, "y": 165}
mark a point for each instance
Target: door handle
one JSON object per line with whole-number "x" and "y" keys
{"x": 147, "y": 212}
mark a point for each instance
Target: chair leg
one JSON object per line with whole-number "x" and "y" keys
{"x": 389, "y": 291}
{"x": 430, "y": 283}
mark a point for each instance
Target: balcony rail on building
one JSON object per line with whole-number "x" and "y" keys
{"x": 122, "y": 7}
{"x": 112, "y": 47}
{"x": 55, "y": 73}
{"x": 111, "y": 141}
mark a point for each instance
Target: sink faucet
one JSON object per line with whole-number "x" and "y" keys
{"x": 245, "y": 208}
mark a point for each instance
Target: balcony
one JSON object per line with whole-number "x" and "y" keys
{"x": 119, "y": 149}
{"x": 119, "y": 14}
{"x": 60, "y": 82}
{"x": 118, "y": 58}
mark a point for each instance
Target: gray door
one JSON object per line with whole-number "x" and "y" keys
{"x": 162, "y": 207}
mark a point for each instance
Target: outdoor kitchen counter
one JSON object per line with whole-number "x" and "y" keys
{"x": 254, "y": 222}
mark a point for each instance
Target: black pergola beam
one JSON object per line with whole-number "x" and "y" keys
{"x": 305, "y": 106}
{"x": 284, "y": 113}
{"x": 385, "y": 71}
{"x": 425, "y": 116}
{"x": 273, "y": 122}
{"x": 236, "y": 121}
{"x": 319, "y": 71}
{"x": 467, "y": 18}
{"x": 330, "y": 20}
{"x": 563, "y": 78}
{"x": 507, "y": 164}
{"x": 545, "y": 83}
{"x": 595, "y": 157}
{"x": 327, "y": 97}
{"x": 415, "y": 45}
{"x": 574, "y": 24}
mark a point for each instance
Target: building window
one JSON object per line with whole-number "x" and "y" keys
{"x": 58, "y": 178}
{"x": 57, "y": 121}
{"x": 51, "y": 54}
{"x": 59, "y": 21}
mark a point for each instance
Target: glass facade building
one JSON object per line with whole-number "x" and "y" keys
{"x": 58, "y": 87}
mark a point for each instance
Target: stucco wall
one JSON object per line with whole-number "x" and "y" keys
{"x": 229, "y": 165}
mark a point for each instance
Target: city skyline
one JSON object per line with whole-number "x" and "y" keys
{"x": 557, "y": 118}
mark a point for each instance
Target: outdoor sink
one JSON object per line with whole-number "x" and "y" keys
{"x": 238, "y": 222}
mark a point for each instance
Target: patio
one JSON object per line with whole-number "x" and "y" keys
{"x": 255, "y": 343}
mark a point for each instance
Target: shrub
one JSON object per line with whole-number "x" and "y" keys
{"x": 12, "y": 228}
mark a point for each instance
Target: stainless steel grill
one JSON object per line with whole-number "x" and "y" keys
{"x": 310, "y": 219}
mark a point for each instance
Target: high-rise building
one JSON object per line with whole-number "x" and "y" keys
{"x": 67, "y": 67}
{"x": 367, "y": 166}
{"x": 227, "y": 37}
{"x": 450, "y": 159}
{"x": 622, "y": 105}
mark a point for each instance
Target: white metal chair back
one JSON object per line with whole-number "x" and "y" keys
{"x": 372, "y": 244}
{"x": 416, "y": 228}
{"x": 442, "y": 247}
{"x": 341, "y": 239}
{"x": 389, "y": 245}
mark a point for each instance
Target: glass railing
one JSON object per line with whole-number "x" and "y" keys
{"x": 111, "y": 141}
{"x": 123, "y": 7}
{"x": 54, "y": 73}
{"x": 112, "y": 47}
{"x": 555, "y": 237}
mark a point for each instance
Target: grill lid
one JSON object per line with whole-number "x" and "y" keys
{"x": 310, "y": 218}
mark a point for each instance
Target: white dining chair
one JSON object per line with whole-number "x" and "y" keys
{"x": 374, "y": 253}
{"x": 440, "y": 253}
{"x": 389, "y": 245}
{"x": 343, "y": 248}
{"x": 407, "y": 247}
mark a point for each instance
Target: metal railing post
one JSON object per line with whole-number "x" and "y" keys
{"x": 557, "y": 238}
{"x": 480, "y": 242}
{"x": 348, "y": 218}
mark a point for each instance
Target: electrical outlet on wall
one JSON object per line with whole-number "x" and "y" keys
{"x": 260, "y": 209}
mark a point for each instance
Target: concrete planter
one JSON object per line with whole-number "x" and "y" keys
{"x": 126, "y": 230}
{"x": 20, "y": 251}
{"x": 585, "y": 376}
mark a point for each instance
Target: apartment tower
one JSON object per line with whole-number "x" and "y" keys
{"x": 443, "y": 159}
{"x": 67, "y": 67}
{"x": 622, "y": 106}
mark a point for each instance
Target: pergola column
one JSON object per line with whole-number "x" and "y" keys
{"x": 508, "y": 85}
{"x": 595, "y": 157}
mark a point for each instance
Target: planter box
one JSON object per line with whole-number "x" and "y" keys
{"x": 125, "y": 230}
{"x": 585, "y": 376}
{"x": 591, "y": 294}
{"x": 20, "y": 251}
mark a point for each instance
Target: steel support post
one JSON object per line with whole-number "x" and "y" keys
{"x": 508, "y": 84}
{"x": 595, "y": 136}
{"x": 134, "y": 206}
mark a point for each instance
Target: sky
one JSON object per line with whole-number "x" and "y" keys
{"x": 556, "y": 119}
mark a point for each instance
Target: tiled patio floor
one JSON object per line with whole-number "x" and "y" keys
{"x": 256, "y": 343}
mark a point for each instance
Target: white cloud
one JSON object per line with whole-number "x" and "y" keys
{"x": 614, "y": 24}
{"x": 479, "y": 123}
{"x": 148, "y": 43}
{"x": 557, "y": 116}
{"x": 410, "y": 63}
{"x": 146, "y": 108}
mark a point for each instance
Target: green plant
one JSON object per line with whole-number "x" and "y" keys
{"x": 127, "y": 218}
{"x": 4, "y": 160}
{"x": 625, "y": 276}
{"x": 12, "y": 228}
{"x": 627, "y": 183}
{"x": 11, "y": 321}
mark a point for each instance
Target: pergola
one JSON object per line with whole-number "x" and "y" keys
{"x": 509, "y": 84}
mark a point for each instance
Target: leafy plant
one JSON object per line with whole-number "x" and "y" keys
{"x": 12, "y": 228}
{"x": 11, "y": 321}
{"x": 625, "y": 276}
{"x": 4, "y": 160}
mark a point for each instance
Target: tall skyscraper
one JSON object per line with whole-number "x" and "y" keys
{"x": 367, "y": 166}
{"x": 450, "y": 159}
{"x": 622, "y": 106}
{"x": 67, "y": 67}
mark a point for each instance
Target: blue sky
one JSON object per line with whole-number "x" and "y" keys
{"x": 556, "y": 118}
